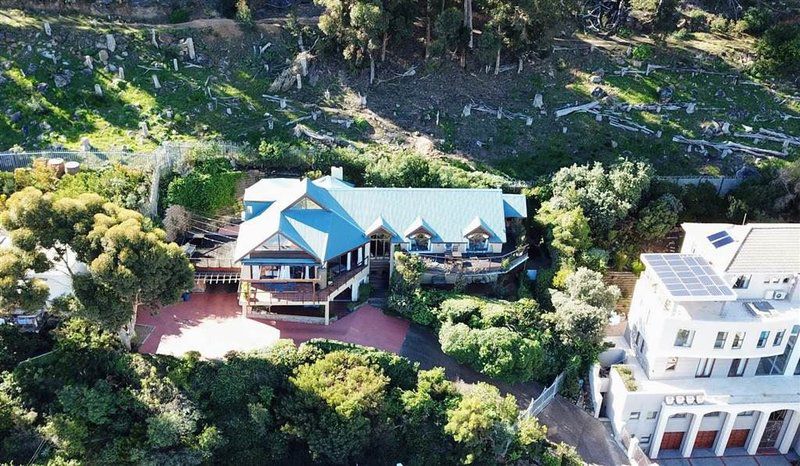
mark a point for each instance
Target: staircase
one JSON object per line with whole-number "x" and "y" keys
{"x": 379, "y": 280}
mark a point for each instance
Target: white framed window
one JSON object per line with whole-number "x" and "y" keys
{"x": 684, "y": 338}
{"x": 652, "y": 414}
{"x": 420, "y": 242}
{"x": 478, "y": 242}
{"x": 704, "y": 368}
{"x": 635, "y": 415}
{"x": 644, "y": 440}
{"x": 778, "y": 338}
{"x": 762, "y": 339}
{"x": 738, "y": 340}
{"x": 720, "y": 341}
{"x": 737, "y": 367}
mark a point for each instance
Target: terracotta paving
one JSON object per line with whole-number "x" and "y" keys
{"x": 211, "y": 323}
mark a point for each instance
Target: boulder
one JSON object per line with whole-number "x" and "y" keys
{"x": 61, "y": 80}
{"x": 598, "y": 92}
{"x": 596, "y": 79}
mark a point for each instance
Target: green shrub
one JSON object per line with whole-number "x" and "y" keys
{"x": 778, "y": 51}
{"x": 207, "y": 189}
{"x": 499, "y": 353}
{"x": 755, "y": 21}
{"x": 178, "y": 15}
{"x": 243, "y": 13}
{"x": 642, "y": 52}
{"x": 627, "y": 377}
{"x": 121, "y": 185}
{"x": 403, "y": 372}
{"x": 720, "y": 25}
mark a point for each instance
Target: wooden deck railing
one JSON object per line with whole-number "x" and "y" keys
{"x": 474, "y": 263}
{"x": 263, "y": 293}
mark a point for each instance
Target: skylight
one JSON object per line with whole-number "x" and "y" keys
{"x": 720, "y": 239}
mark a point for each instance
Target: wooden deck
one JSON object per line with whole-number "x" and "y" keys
{"x": 477, "y": 264}
{"x": 269, "y": 292}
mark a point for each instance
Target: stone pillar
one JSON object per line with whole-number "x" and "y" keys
{"x": 658, "y": 435}
{"x": 758, "y": 431}
{"x": 691, "y": 435}
{"x": 788, "y": 436}
{"x": 725, "y": 434}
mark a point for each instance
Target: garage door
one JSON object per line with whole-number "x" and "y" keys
{"x": 705, "y": 439}
{"x": 672, "y": 441}
{"x": 738, "y": 438}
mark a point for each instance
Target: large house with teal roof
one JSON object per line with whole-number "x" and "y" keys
{"x": 306, "y": 243}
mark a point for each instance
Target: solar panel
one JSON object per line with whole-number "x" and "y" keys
{"x": 722, "y": 242}
{"x": 717, "y": 235}
{"x": 688, "y": 276}
{"x": 720, "y": 238}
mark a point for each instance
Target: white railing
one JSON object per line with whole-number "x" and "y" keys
{"x": 540, "y": 403}
{"x": 635, "y": 454}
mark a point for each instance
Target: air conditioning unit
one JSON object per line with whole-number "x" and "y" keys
{"x": 779, "y": 295}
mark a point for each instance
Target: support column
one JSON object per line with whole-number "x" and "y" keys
{"x": 658, "y": 435}
{"x": 789, "y": 433}
{"x": 691, "y": 436}
{"x": 349, "y": 257}
{"x": 725, "y": 434}
{"x": 758, "y": 431}
{"x": 354, "y": 291}
{"x": 327, "y": 312}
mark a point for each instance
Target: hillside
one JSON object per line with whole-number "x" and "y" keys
{"x": 50, "y": 96}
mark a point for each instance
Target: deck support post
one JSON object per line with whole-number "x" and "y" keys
{"x": 327, "y": 312}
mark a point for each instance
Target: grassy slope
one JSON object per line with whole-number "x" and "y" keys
{"x": 397, "y": 110}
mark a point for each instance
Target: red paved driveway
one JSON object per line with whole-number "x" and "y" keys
{"x": 211, "y": 323}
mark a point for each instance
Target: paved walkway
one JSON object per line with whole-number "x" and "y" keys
{"x": 211, "y": 323}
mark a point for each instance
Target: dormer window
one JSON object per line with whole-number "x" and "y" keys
{"x": 420, "y": 242}
{"x": 478, "y": 241}
{"x": 306, "y": 204}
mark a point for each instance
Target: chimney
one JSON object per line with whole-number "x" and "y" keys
{"x": 337, "y": 172}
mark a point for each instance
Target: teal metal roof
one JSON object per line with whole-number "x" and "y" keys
{"x": 349, "y": 214}
{"x": 515, "y": 206}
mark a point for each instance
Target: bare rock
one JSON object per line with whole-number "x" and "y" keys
{"x": 62, "y": 80}
{"x": 665, "y": 94}
{"x": 15, "y": 117}
{"x": 41, "y": 87}
{"x": 598, "y": 92}
{"x": 102, "y": 55}
{"x": 595, "y": 79}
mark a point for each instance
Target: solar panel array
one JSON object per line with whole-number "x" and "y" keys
{"x": 688, "y": 276}
{"x": 720, "y": 238}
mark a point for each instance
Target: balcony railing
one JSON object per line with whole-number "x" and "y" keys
{"x": 266, "y": 292}
{"x": 474, "y": 263}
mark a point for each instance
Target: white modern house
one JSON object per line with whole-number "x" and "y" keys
{"x": 711, "y": 353}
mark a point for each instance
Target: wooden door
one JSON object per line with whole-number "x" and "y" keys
{"x": 672, "y": 440}
{"x": 738, "y": 438}
{"x": 705, "y": 439}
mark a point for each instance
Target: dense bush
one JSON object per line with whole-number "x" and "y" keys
{"x": 16, "y": 346}
{"x": 121, "y": 185}
{"x": 324, "y": 403}
{"x": 207, "y": 189}
{"x": 778, "y": 51}
{"x": 755, "y": 21}
{"x": 497, "y": 352}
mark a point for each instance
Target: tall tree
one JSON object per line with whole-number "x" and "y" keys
{"x": 18, "y": 290}
{"x": 131, "y": 266}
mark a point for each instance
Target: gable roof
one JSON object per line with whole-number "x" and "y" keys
{"x": 351, "y": 214}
